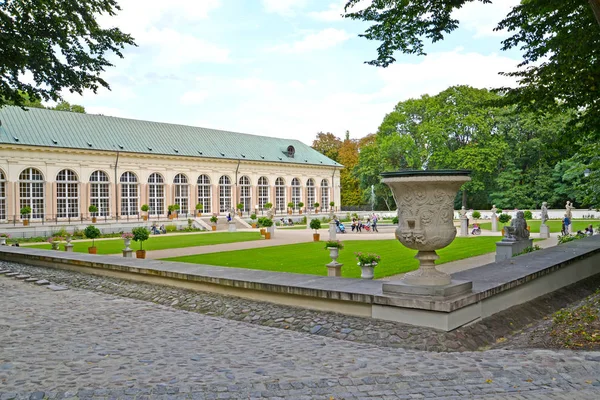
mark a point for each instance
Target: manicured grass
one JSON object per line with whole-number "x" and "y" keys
{"x": 160, "y": 242}
{"x": 310, "y": 258}
{"x": 555, "y": 225}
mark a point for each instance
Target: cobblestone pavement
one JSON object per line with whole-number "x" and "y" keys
{"x": 81, "y": 344}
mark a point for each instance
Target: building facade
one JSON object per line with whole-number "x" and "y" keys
{"x": 59, "y": 163}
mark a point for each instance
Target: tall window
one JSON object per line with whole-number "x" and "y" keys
{"x": 156, "y": 194}
{"x": 325, "y": 195}
{"x": 204, "y": 196}
{"x": 296, "y": 192}
{"x": 100, "y": 192}
{"x": 2, "y": 196}
{"x": 129, "y": 194}
{"x": 280, "y": 195}
{"x": 31, "y": 190}
{"x": 224, "y": 194}
{"x": 182, "y": 193}
{"x": 245, "y": 193}
{"x": 310, "y": 193}
{"x": 263, "y": 192}
{"x": 67, "y": 194}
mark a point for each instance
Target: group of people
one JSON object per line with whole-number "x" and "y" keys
{"x": 370, "y": 225}
{"x": 157, "y": 230}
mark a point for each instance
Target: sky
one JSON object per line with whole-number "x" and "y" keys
{"x": 282, "y": 68}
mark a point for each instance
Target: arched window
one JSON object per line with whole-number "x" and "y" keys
{"x": 325, "y": 195}
{"x": 2, "y": 196}
{"x": 263, "y": 192}
{"x": 245, "y": 193}
{"x": 67, "y": 194}
{"x": 310, "y": 193}
{"x": 156, "y": 194}
{"x": 31, "y": 191}
{"x": 224, "y": 194}
{"x": 280, "y": 195}
{"x": 182, "y": 193}
{"x": 100, "y": 192}
{"x": 129, "y": 194}
{"x": 296, "y": 192}
{"x": 204, "y": 196}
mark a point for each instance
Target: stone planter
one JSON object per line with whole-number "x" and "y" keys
{"x": 367, "y": 270}
{"x": 92, "y": 250}
{"x": 55, "y": 245}
{"x": 334, "y": 253}
{"x": 334, "y": 268}
{"x": 127, "y": 244}
{"x": 2, "y": 241}
{"x": 316, "y": 237}
{"x": 140, "y": 254}
{"x": 425, "y": 201}
{"x": 68, "y": 245}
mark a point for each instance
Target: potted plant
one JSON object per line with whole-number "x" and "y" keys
{"x": 25, "y": 213}
{"x": 332, "y": 204}
{"x": 476, "y": 215}
{"x": 91, "y": 232}
{"x": 253, "y": 219}
{"x": 140, "y": 234}
{"x": 268, "y": 206}
{"x": 300, "y": 205}
{"x": 334, "y": 247}
{"x": 3, "y": 237}
{"x": 127, "y": 236}
{"x": 55, "y": 242}
{"x": 173, "y": 208}
{"x": 199, "y": 208}
{"x": 93, "y": 210}
{"x": 261, "y": 225}
{"x": 367, "y": 263}
{"x": 504, "y": 218}
{"x": 267, "y": 223}
{"x": 145, "y": 209}
{"x": 240, "y": 207}
{"x": 316, "y": 225}
{"x": 290, "y": 207}
{"x": 213, "y": 221}
{"x": 316, "y": 206}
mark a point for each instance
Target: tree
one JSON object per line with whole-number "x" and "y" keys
{"x": 59, "y": 43}
{"x": 66, "y": 106}
{"x": 348, "y": 157}
{"x": 328, "y": 144}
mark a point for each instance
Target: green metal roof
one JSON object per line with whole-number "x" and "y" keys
{"x": 63, "y": 129}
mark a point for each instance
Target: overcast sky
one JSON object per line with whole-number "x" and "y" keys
{"x": 283, "y": 68}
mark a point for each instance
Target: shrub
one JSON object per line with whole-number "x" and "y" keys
{"x": 265, "y": 222}
{"x": 171, "y": 228}
{"x": 315, "y": 224}
{"x": 214, "y": 219}
{"x": 199, "y": 207}
{"x": 300, "y": 204}
{"x": 476, "y": 214}
{"x": 140, "y": 234}
{"x": 334, "y": 243}
{"x": 290, "y": 205}
{"x": 93, "y": 209}
{"x": 316, "y": 205}
{"x": 367, "y": 258}
{"x": 395, "y": 220}
{"x": 91, "y": 232}
{"x": 527, "y": 214}
{"x": 240, "y": 206}
{"x": 253, "y": 217}
{"x": 268, "y": 206}
{"x": 26, "y": 210}
{"x": 504, "y": 218}
{"x": 145, "y": 208}
{"x": 331, "y": 204}
{"x": 529, "y": 249}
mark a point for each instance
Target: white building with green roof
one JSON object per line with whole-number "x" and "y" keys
{"x": 59, "y": 163}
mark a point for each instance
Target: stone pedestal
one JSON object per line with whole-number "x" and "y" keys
{"x": 454, "y": 288}
{"x": 271, "y": 230}
{"x": 308, "y": 219}
{"x": 332, "y": 230}
{"x": 231, "y": 226}
{"x": 128, "y": 253}
{"x": 494, "y": 224}
{"x": 464, "y": 227}
{"x": 544, "y": 231}
{"x": 69, "y": 247}
{"x": 334, "y": 269}
{"x": 506, "y": 249}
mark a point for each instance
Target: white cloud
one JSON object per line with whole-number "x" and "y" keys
{"x": 193, "y": 97}
{"x": 283, "y": 7}
{"x": 108, "y": 111}
{"x": 483, "y": 18}
{"x": 324, "y": 39}
{"x": 333, "y": 13}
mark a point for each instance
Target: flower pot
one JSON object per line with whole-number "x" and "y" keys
{"x": 94, "y": 219}
{"x": 25, "y": 222}
{"x": 300, "y": 212}
{"x": 2, "y": 241}
{"x": 140, "y": 254}
{"x": 214, "y": 227}
{"x": 171, "y": 216}
{"x": 367, "y": 270}
{"x": 55, "y": 245}
{"x": 289, "y": 212}
{"x": 92, "y": 250}
{"x": 267, "y": 235}
{"x": 262, "y": 231}
{"x": 145, "y": 217}
{"x": 127, "y": 243}
{"x": 199, "y": 214}
{"x": 316, "y": 237}
{"x": 502, "y": 231}
{"x": 253, "y": 225}
{"x": 334, "y": 253}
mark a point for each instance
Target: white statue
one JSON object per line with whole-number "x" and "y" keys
{"x": 544, "y": 212}
{"x": 518, "y": 228}
{"x": 463, "y": 213}
{"x": 569, "y": 207}
{"x": 494, "y": 212}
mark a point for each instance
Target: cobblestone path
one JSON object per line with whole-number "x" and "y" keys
{"x": 81, "y": 344}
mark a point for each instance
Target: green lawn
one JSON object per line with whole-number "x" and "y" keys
{"x": 160, "y": 242}
{"x": 555, "y": 225}
{"x": 310, "y": 258}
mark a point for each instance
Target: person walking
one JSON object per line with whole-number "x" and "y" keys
{"x": 374, "y": 223}
{"x": 565, "y": 225}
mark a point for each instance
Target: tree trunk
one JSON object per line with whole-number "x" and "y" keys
{"x": 595, "y": 4}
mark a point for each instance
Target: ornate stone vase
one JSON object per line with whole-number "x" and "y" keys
{"x": 425, "y": 201}
{"x": 2, "y": 241}
{"x": 367, "y": 270}
{"x": 127, "y": 244}
{"x": 334, "y": 253}
{"x": 55, "y": 245}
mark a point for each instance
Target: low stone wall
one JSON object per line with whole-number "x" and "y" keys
{"x": 496, "y": 286}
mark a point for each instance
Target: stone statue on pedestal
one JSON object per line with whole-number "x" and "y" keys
{"x": 494, "y": 219}
{"x": 544, "y": 229}
{"x": 494, "y": 212}
{"x": 270, "y": 213}
{"x": 569, "y": 207}
{"x": 462, "y": 212}
{"x": 518, "y": 228}
{"x": 544, "y": 213}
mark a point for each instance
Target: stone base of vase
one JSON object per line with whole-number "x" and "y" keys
{"x": 231, "y": 227}
{"x": 334, "y": 269}
{"x": 454, "y": 288}
{"x": 544, "y": 231}
{"x": 427, "y": 274}
{"x": 127, "y": 253}
{"x": 69, "y": 247}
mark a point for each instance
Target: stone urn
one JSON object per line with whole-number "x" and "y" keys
{"x": 334, "y": 253}
{"x": 55, "y": 245}
{"x": 425, "y": 201}
{"x": 127, "y": 244}
{"x": 2, "y": 240}
{"x": 367, "y": 270}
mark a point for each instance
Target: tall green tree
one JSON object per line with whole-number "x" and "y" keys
{"x": 327, "y": 144}
{"x": 58, "y": 42}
